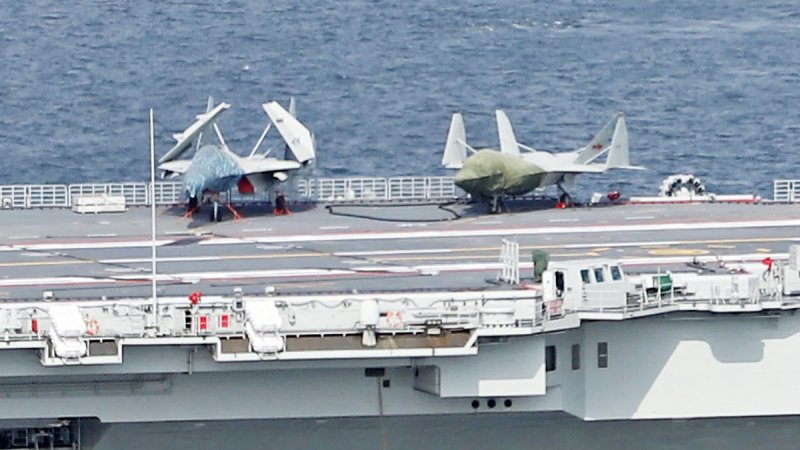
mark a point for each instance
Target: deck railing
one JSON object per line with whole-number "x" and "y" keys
{"x": 786, "y": 191}
{"x": 325, "y": 190}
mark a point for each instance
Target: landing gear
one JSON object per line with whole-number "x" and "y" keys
{"x": 216, "y": 212}
{"x": 565, "y": 200}
{"x": 191, "y": 207}
{"x": 497, "y": 205}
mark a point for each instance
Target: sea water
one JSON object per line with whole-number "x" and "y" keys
{"x": 709, "y": 88}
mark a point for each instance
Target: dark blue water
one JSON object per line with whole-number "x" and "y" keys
{"x": 710, "y": 88}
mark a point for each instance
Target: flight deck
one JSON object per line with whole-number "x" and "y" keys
{"x": 361, "y": 245}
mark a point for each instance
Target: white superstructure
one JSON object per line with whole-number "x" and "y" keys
{"x": 589, "y": 341}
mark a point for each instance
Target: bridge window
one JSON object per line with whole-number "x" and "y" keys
{"x": 616, "y": 274}
{"x": 559, "y": 283}
{"x": 585, "y": 276}
{"x": 576, "y": 357}
{"x": 602, "y": 355}
{"x": 550, "y": 358}
{"x": 598, "y": 274}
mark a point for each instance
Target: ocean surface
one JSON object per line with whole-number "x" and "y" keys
{"x": 710, "y": 88}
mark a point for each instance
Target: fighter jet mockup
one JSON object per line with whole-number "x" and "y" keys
{"x": 489, "y": 174}
{"x": 215, "y": 169}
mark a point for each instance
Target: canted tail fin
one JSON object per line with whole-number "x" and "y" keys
{"x": 601, "y": 142}
{"x": 455, "y": 150}
{"x": 508, "y": 142}
{"x": 618, "y": 156}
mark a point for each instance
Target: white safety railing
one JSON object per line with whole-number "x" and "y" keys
{"x": 509, "y": 262}
{"x": 328, "y": 190}
{"x": 13, "y": 196}
{"x": 786, "y": 191}
{"x": 34, "y": 196}
{"x": 46, "y": 196}
{"x": 349, "y": 189}
{"x": 169, "y": 193}
{"x": 134, "y": 193}
{"x": 331, "y": 190}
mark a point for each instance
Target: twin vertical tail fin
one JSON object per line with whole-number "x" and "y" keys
{"x": 455, "y": 150}
{"x": 618, "y": 156}
{"x": 508, "y": 142}
{"x": 598, "y": 145}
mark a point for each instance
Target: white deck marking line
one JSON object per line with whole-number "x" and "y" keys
{"x": 640, "y": 217}
{"x": 24, "y": 237}
{"x": 238, "y": 274}
{"x": 96, "y": 235}
{"x": 366, "y": 236}
{"x": 50, "y": 280}
{"x": 335, "y": 227}
{"x": 299, "y": 273}
{"x": 165, "y": 259}
{"x": 35, "y": 255}
{"x": 488, "y": 222}
{"x": 95, "y": 245}
{"x": 562, "y": 220}
{"x": 395, "y": 252}
{"x": 256, "y": 230}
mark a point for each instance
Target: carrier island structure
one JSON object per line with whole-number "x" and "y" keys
{"x": 372, "y": 306}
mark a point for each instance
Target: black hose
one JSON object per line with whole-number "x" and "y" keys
{"x": 442, "y": 206}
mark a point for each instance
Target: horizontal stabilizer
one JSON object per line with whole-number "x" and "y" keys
{"x": 186, "y": 138}
{"x": 294, "y": 133}
{"x": 576, "y": 168}
{"x": 455, "y": 150}
{"x": 508, "y": 142}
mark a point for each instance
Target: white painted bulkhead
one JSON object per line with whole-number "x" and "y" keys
{"x": 682, "y": 365}
{"x": 694, "y": 365}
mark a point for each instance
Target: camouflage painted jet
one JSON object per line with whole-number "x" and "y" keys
{"x": 215, "y": 169}
{"x": 488, "y": 174}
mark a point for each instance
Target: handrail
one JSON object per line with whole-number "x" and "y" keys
{"x": 327, "y": 190}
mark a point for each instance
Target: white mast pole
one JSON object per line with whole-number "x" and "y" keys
{"x": 153, "y": 217}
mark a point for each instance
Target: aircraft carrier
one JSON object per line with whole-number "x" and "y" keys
{"x": 385, "y": 313}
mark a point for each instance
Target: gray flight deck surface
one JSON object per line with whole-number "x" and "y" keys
{"x": 359, "y": 247}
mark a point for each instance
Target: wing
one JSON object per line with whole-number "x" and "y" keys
{"x": 187, "y": 136}
{"x": 266, "y": 165}
{"x": 296, "y": 135}
{"x": 177, "y": 166}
